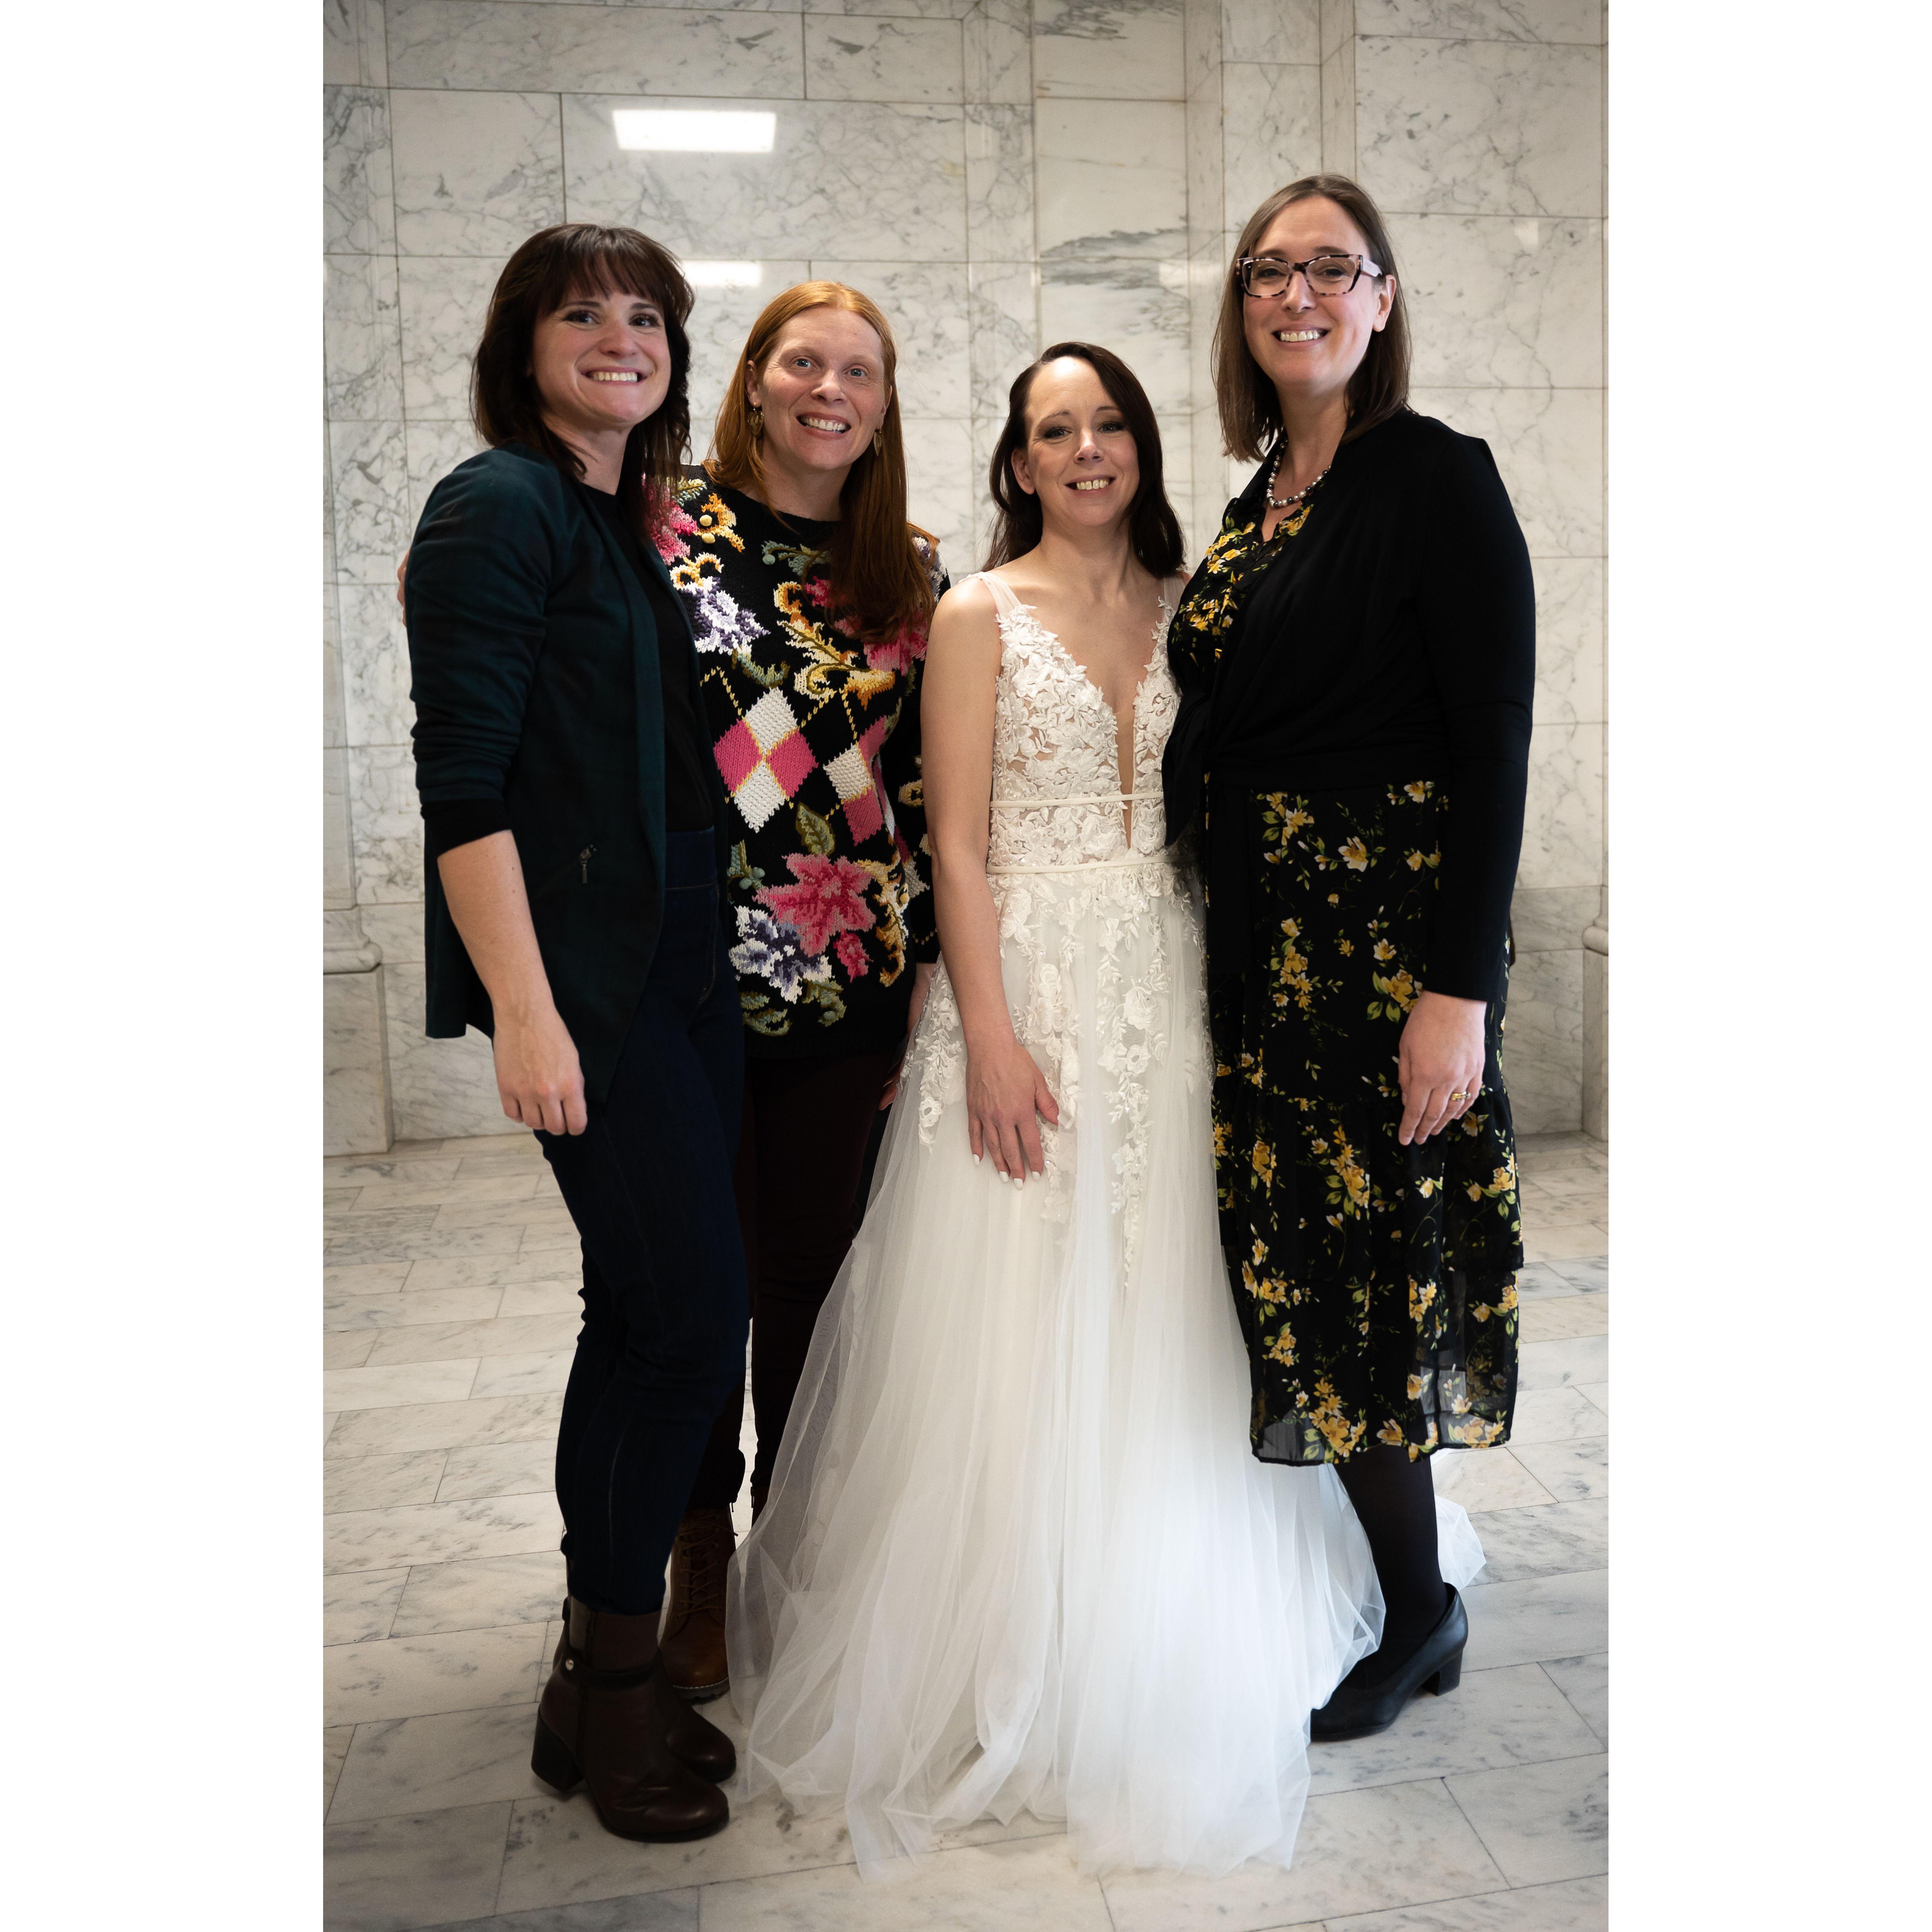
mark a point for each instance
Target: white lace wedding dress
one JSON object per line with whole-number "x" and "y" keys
{"x": 1016, "y": 1553}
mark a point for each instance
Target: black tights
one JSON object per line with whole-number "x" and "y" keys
{"x": 1396, "y": 1499}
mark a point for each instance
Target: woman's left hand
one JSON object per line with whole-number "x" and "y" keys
{"x": 1441, "y": 1063}
{"x": 922, "y": 979}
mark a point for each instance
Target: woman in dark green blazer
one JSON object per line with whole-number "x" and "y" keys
{"x": 574, "y": 824}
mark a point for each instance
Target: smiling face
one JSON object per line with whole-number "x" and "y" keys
{"x": 1080, "y": 459}
{"x": 823, "y": 391}
{"x": 602, "y": 364}
{"x": 1309, "y": 345}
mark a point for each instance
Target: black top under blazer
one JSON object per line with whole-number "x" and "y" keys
{"x": 534, "y": 657}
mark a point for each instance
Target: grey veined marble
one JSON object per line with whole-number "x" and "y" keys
{"x": 476, "y": 174}
{"x": 1109, "y": 49}
{"x": 859, "y": 180}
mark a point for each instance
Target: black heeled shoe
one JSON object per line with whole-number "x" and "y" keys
{"x": 1360, "y": 1710}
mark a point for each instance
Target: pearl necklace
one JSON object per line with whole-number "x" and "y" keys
{"x": 1275, "y": 503}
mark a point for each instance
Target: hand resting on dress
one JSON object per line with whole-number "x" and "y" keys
{"x": 1441, "y": 1057}
{"x": 1006, "y": 1097}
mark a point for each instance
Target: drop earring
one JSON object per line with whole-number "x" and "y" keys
{"x": 756, "y": 418}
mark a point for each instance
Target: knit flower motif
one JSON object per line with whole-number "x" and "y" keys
{"x": 851, "y": 952}
{"x": 769, "y": 951}
{"x": 829, "y": 898}
{"x": 670, "y": 525}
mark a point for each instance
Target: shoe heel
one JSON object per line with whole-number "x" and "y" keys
{"x": 1446, "y": 1679}
{"x": 551, "y": 1759}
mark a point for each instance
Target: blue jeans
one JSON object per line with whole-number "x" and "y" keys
{"x": 665, "y": 1311}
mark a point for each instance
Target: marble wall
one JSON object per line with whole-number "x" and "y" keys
{"x": 998, "y": 174}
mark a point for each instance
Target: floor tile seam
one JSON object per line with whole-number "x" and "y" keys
{"x": 1544, "y": 1664}
{"x": 1541, "y": 1763}
{"x": 1488, "y": 1851}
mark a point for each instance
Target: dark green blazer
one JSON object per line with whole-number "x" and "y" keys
{"x": 533, "y": 656}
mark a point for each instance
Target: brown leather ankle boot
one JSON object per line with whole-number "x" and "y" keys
{"x": 602, "y": 1723}
{"x": 693, "y": 1639}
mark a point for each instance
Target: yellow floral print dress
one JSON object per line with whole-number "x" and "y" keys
{"x": 1376, "y": 1283}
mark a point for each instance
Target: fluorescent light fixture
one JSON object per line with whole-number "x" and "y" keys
{"x": 694, "y": 130}
{"x": 723, "y": 274}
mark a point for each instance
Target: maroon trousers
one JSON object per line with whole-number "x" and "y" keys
{"x": 801, "y": 1152}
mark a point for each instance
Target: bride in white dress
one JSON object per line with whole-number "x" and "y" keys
{"x": 1016, "y": 1553}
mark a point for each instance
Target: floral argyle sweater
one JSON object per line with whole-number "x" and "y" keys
{"x": 817, "y": 735}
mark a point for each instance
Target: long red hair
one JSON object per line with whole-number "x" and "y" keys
{"x": 878, "y": 580}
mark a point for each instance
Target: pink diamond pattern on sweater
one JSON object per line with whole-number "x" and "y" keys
{"x": 763, "y": 759}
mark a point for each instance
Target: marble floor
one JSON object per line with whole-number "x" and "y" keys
{"x": 449, "y": 1308}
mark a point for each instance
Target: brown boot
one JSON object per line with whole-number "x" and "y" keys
{"x": 697, "y": 1743}
{"x": 693, "y": 1639}
{"x": 602, "y": 1723}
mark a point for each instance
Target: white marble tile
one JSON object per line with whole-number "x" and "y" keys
{"x": 1570, "y": 644}
{"x": 862, "y": 180}
{"x": 1563, "y": 815}
{"x": 492, "y": 1272}
{"x": 557, "y": 1853}
{"x": 432, "y": 1763}
{"x": 444, "y": 1425}
{"x": 372, "y": 509}
{"x": 334, "y": 1748}
{"x": 476, "y": 174}
{"x": 407, "y": 1677}
{"x": 1485, "y": 1479}
{"x": 1541, "y": 1822}
{"x": 525, "y": 1375}
{"x": 847, "y": 59}
{"x": 1548, "y": 445}
{"x": 1588, "y": 1277}
{"x": 1573, "y": 1472}
{"x": 1597, "y": 1394}
{"x": 483, "y": 1592}
{"x": 543, "y": 1297}
{"x": 1271, "y": 130}
{"x": 1536, "y": 1617}
{"x": 1022, "y": 1886}
{"x": 1138, "y": 309}
{"x": 1003, "y": 335}
{"x": 999, "y": 182}
{"x": 375, "y": 704}
{"x": 939, "y": 483}
{"x": 1552, "y": 1415}
{"x": 985, "y": 434}
{"x": 359, "y": 210}
{"x": 444, "y": 300}
{"x": 391, "y": 1874}
{"x": 1503, "y": 301}
{"x": 381, "y": 1482}
{"x": 433, "y": 450}
{"x": 362, "y": 1170}
{"x": 1480, "y": 127}
{"x": 372, "y": 1278}
{"x": 359, "y": 1606}
{"x": 1495, "y": 1718}
{"x": 354, "y": 44}
{"x": 1553, "y": 1541}
{"x": 1557, "y": 1320}
{"x": 652, "y": 1912}
{"x": 401, "y": 1235}
{"x": 1200, "y": 34}
{"x": 438, "y": 1083}
{"x": 362, "y": 369}
{"x": 548, "y": 48}
{"x": 1581, "y": 21}
{"x": 516, "y": 1469}
{"x": 403, "y": 1311}
{"x": 515, "y": 1184}
{"x": 720, "y": 324}
{"x": 1109, "y": 49}
{"x": 1575, "y": 1905}
{"x": 1112, "y": 179}
{"x": 1207, "y": 175}
{"x": 452, "y": 1532}
{"x": 926, "y": 303}
{"x": 338, "y": 867}
{"x": 1547, "y": 1365}
{"x": 1588, "y": 1237}
{"x": 1545, "y": 919}
{"x": 1586, "y": 1682}
{"x": 332, "y": 737}
{"x": 1543, "y": 1041}
{"x": 999, "y": 52}
{"x": 445, "y": 1341}
{"x": 1339, "y": 151}
{"x": 1359, "y": 1851}
{"x": 1272, "y": 30}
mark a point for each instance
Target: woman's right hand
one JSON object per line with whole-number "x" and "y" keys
{"x": 537, "y": 1077}
{"x": 1006, "y": 1097}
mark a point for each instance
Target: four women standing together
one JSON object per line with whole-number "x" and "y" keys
{"x": 669, "y": 751}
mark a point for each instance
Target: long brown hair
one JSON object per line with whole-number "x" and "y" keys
{"x": 1153, "y": 528}
{"x": 1250, "y": 410}
{"x": 555, "y": 265}
{"x": 877, "y": 580}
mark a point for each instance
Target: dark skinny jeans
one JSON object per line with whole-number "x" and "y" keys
{"x": 648, "y": 1184}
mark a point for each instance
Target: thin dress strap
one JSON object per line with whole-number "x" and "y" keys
{"x": 1004, "y": 596}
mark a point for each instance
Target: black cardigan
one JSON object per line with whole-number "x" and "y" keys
{"x": 1394, "y": 638}
{"x": 534, "y": 661}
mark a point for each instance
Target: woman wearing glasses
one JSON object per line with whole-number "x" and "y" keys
{"x": 1356, "y": 661}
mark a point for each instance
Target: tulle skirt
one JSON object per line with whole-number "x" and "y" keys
{"x": 1017, "y": 1554}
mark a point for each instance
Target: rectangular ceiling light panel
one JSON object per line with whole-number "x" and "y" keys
{"x": 683, "y": 131}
